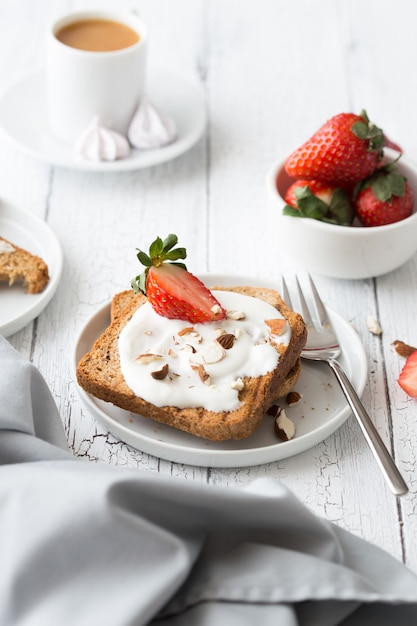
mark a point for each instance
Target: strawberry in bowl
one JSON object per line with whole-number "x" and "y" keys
{"x": 319, "y": 200}
{"x": 347, "y": 153}
{"x": 384, "y": 198}
{"x": 345, "y": 150}
{"x": 354, "y": 193}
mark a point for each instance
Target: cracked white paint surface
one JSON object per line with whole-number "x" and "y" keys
{"x": 214, "y": 199}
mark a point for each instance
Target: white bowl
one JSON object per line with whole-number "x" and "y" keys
{"x": 350, "y": 252}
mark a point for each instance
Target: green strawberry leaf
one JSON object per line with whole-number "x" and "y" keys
{"x": 174, "y": 255}
{"x": 386, "y": 182}
{"x": 366, "y": 130}
{"x": 310, "y": 205}
{"x": 360, "y": 129}
{"x": 385, "y": 186}
{"x": 381, "y": 188}
{"x": 169, "y": 242}
{"x": 184, "y": 267}
{"x": 138, "y": 283}
{"x": 338, "y": 212}
{"x": 397, "y": 184}
{"x": 144, "y": 258}
{"x": 160, "y": 251}
{"x": 291, "y": 211}
{"x": 156, "y": 248}
{"x": 376, "y": 138}
{"x": 340, "y": 208}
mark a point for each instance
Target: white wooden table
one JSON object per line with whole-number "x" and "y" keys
{"x": 271, "y": 73}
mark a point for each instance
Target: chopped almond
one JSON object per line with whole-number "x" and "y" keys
{"x": 403, "y": 349}
{"x": 293, "y": 398}
{"x": 226, "y": 341}
{"x": 204, "y": 376}
{"x": 186, "y": 331}
{"x": 276, "y": 326}
{"x": 284, "y": 427}
{"x": 161, "y": 373}
{"x": 148, "y": 357}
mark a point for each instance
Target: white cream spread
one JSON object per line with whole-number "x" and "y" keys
{"x": 150, "y": 128}
{"x": 193, "y": 369}
{"x": 6, "y": 247}
{"x": 98, "y": 143}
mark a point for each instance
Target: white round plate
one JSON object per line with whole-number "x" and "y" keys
{"x": 23, "y": 120}
{"x": 18, "y": 308}
{"x": 323, "y": 408}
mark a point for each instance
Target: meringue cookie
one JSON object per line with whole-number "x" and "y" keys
{"x": 98, "y": 143}
{"x": 150, "y": 128}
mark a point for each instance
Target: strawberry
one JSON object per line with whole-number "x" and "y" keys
{"x": 384, "y": 198}
{"x": 318, "y": 200}
{"x": 318, "y": 188}
{"x": 345, "y": 150}
{"x": 408, "y": 376}
{"x": 171, "y": 289}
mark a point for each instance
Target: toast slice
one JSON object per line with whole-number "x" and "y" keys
{"x": 17, "y": 264}
{"x": 99, "y": 374}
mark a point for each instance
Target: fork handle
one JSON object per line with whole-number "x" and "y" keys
{"x": 379, "y": 450}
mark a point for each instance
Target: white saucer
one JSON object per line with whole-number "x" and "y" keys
{"x": 18, "y": 308}
{"x": 323, "y": 408}
{"x": 23, "y": 120}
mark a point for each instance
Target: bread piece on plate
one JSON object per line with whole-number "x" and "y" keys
{"x": 17, "y": 264}
{"x": 99, "y": 373}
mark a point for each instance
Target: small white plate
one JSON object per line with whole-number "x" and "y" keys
{"x": 18, "y": 308}
{"x": 323, "y": 408}
{"x": 23, "y": 119}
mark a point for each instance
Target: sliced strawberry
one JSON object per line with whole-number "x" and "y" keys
{"x": 384, "y": 198}
{"x": 408, "y": 376}
{"x": 346, "y": 149}
{"x": 172, "y": 291}
{"x": 321, "y": 189}
{"x": 320, "y": 201}
{"x": 175, "y": 293}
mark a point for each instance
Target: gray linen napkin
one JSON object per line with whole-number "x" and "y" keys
{"x": 89, "y": 544}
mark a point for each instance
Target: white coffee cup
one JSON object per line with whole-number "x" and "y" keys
{"x": 83, "y": 84}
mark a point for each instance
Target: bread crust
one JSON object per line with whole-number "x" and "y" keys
{"x": 19, "y": 264}
{"x": 99, "y": 373}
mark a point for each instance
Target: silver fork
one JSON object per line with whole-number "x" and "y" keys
{"x": 322, "y": 345}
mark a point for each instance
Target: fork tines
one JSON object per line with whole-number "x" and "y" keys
{"x": 319, "y": 311}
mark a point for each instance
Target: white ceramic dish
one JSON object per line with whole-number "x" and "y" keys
{"x": 18, "y": 308}
{"x": 322, "y": 411}
{"x": 23, "y": 120}
{"x": 341, "y": 251}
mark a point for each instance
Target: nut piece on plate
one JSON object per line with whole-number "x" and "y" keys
{"x": 293, "y": 398}
{"x": 284, "y": 427}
